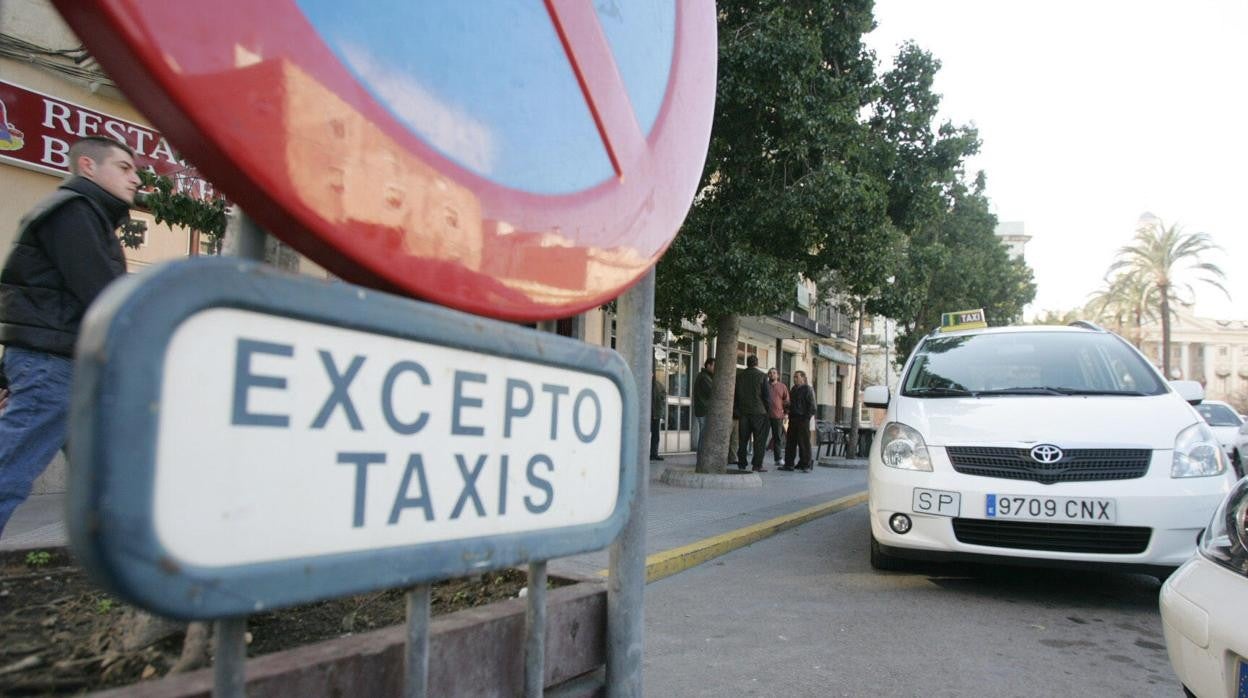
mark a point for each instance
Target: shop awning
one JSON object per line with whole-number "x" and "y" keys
{"x": 826, "y": 352}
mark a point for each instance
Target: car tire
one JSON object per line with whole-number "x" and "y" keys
{"x": 882, "y": 561}
{"x": 1237, "y": 462}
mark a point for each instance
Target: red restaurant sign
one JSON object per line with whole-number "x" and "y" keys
{"x": 36, "y": 131}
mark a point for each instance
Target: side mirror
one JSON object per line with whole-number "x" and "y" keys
{"x": 875, "y": 396}
{"x": 1191, "y": 391}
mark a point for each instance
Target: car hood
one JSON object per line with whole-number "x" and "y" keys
{"x": 1066, "y": 421}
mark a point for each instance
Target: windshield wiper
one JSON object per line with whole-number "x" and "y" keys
{"x": 1090, "y": 391}
{"x": 1053, "y": 390}
{"x": 1030, "y": 390}
{"x": 940, "y": 392}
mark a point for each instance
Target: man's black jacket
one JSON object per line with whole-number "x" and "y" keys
{"x": 65, "y": 253}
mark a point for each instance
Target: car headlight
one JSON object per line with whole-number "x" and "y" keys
{"x": 1197, "y": 453}
{"x": 903, "y": 447}
{"x": 1225, "y": 541}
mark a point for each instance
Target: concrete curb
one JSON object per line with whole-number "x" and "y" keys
{"x": 670, "y": 562}
{"x": 683, "y": 477}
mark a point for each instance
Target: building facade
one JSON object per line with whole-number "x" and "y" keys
{"x": 1213, "y": 352}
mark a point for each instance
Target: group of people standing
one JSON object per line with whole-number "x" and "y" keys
{"x": 761, "y": 403}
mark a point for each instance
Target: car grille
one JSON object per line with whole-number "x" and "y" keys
{"x": 1076, "y": 465}
{"x": 1055, "y": 537}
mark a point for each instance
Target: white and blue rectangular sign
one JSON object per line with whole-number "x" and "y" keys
{"x": 244, "y": 440}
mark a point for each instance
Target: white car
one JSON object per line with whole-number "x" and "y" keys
{"x": 1204, "y": 606}
{"x": 1230, "y": 429}
{"x": 1043, "y": 445}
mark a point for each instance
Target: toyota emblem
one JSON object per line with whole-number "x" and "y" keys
{"x": 1046, "y": 453}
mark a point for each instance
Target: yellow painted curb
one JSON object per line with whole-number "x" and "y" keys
{"x": 669, "y": 562}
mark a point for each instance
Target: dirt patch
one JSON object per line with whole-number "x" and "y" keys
{"x": 62, "y": 635}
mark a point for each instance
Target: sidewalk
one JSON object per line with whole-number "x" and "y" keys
{"x": 684, "y": 526}
{"x": 705, "y": 523}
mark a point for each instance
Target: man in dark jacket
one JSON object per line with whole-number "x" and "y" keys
{"x": 65, "y": 253}
{"x": 658, "y": 407}
{"x": 801, "y": 409}
{"x": 751, "y": 398}
{"x": 703, "y": 386}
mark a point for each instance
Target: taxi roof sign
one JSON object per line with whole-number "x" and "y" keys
{"x": 963, "y": 320}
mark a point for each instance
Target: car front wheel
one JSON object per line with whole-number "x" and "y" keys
{"x": 881, "y": 560}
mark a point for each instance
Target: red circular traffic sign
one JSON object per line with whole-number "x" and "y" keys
{"x": 351, "y": 150}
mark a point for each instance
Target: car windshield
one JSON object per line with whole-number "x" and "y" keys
{"x": 1218, "y": 415}
{"x": 1029, "y": 363}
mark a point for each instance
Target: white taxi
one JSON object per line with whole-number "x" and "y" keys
{"x": 1204, "y": 606}
{"x": 1040, "y": 445}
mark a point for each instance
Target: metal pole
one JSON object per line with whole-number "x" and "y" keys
{"x": 230, "y": 634}
{"x": 229, "y": 656}
{"x": 535, "y": 632}
{"x": 416, "y": 656}
{"x": 626, "y": 580}
{"x": 251, "y": 238}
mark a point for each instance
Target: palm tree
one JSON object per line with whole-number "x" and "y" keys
{"x": 1162, "y": 257}
{"x": 1124, "y": 302}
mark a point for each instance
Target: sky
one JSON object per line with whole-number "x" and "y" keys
{"x": 1092, "y": 113}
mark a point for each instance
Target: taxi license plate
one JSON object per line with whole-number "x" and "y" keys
{"x": 1076, "y": 509}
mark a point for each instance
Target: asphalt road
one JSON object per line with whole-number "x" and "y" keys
{"x": 803, "y": 614}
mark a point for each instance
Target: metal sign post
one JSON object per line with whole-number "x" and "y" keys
{"x": 626, "y": 581}
{"x": 229, "y": 636}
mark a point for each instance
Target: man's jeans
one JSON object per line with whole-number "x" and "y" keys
{"x": 32, "y": 426}
{"x": 697, "y": 447}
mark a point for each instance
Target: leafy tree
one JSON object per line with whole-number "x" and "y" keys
{"x": 957, "y": 262}
{"x": 1124, "y": 303}
{"x": 790, "y": 186}
{"x": 1161, "y": 258}
{"x": 953, "y": 259}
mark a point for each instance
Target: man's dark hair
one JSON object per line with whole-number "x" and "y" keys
{"x": 95, "y": 147}
{"x": 709, "y": 362}
{"x": 751, "y": 361}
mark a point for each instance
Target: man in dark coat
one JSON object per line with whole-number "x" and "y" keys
{"x": 65, "y": 253}
{"x": 703, "y": 386}
{"x": 751, "y": 398}
{"x": 801, "y": 409}
{"x": 658, "y": 406}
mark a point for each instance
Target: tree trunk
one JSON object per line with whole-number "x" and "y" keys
{"x": 1165, "y": 331}
{"x": 851, "y": 449}
{"x": 713, "y": 455}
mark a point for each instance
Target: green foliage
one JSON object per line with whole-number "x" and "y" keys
{"x": 176, "y": 208}
{"x": 132, "y": 233}
{"x": 1158, "y": 265}
{"x": 959, "y": 263}
{"x": 38, "y": 558}
{"x": 819, "y": 168}
{"x": 105, "y": 605}
{"x": 954, "y": 259}
{"x": 789, "y": 188}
